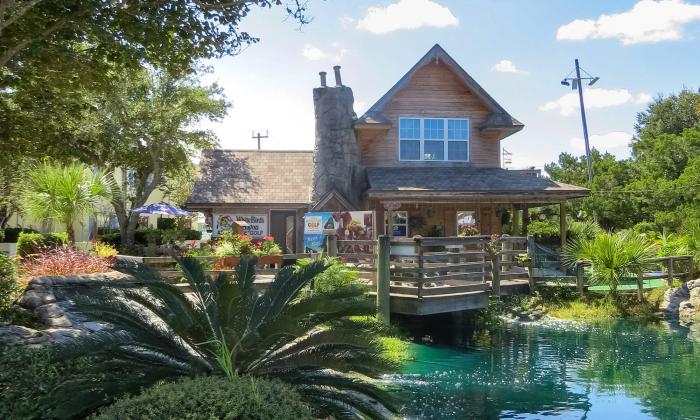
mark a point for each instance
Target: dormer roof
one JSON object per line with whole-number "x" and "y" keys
{"x": 499, "y": 120}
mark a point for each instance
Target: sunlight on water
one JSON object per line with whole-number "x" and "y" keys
{"x": 557, "y": 369}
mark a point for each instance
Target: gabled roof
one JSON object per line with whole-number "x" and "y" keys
{"x": 464, "y": 181}
{"x": 499, "y": 120}
{"x": 252, "y": 177}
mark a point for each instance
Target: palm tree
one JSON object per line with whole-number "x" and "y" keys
{"x": 613, "y": 256}
{"x": 64, "y": 193}
{"x": 228, "y": 327}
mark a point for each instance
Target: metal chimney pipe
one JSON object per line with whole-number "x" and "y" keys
{"x": 338, "y": 82}
{"x": 323, "y": 78}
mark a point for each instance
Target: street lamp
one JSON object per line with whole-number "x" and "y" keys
{"x": 575, "y": 83}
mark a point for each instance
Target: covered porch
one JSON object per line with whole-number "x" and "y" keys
{"x": 462, "y": 201}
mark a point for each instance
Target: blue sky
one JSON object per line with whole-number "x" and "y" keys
{"x": 517, "y": 50}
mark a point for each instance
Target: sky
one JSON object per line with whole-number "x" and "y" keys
{"x": 518, "y": 51}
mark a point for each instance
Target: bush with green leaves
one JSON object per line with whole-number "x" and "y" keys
{"x": 35, "y": 243}
{"x": 10, "y": 286}
{"x": 228, "y": 327}
{"x": 544, "y": 230}
{"x": 12, "y": 234}
{"x": 30, "y": 380}
{"x": 336, "y": 278}
{"x": 211, "y": 397}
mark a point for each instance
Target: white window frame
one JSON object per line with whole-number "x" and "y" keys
{"x": 422, "y": 140}
{"x": 389, "y": 222}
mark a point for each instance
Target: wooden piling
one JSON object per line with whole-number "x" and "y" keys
{"x": 496, "y": 275}
{"x": 579, "y": 278}
{"x": 332, "y": 245}
{"x": 383, "y": 279}
{"x": 421, "y": 262}
{"x": 669, "y": 280}
{"x": 640, "y": 286}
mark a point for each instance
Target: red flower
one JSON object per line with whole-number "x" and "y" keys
{"x": 268, "y": 238}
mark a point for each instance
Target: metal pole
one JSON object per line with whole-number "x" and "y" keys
{"x": 583, "y": 119}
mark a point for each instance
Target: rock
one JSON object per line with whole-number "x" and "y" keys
{"x": 34, "y": 298}
{"x": 672, "y": 300}
{"x": 693, "y": 284}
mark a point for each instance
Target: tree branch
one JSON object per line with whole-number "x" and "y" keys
{"x": 9, "y": 54}
{"x": 4, "y": 6}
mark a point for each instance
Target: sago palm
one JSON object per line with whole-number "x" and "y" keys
{"x": 613, "y": 256}
{"x": 229, "y": 327}
{"x": 63, "y": 192}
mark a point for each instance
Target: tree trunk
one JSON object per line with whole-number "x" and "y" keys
{"x": 71, "y": 234}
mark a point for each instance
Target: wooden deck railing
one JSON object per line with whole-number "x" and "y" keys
{"x": 680, "y": 267}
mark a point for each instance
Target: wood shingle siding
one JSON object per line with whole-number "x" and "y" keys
{"x": 434, "y": 91}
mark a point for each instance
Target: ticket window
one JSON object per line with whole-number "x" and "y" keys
{"x": 399, "y": 223}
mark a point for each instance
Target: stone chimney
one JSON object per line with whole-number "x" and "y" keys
{"x": 336, "y": 155}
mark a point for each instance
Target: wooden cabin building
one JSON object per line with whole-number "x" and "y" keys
{"x": 425, "y": 157}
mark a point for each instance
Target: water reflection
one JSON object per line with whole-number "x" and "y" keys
{"x": 613, "y": 370}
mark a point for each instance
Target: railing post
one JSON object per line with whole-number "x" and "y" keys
{"x": 579, "y": 277}
{"x": 691, "y": 268}
{"x": 332, "y": 245}
{"x": 496, "y": 275}
{"x": 383, "y": 279}
{"x": 640, "y": 286}
{"x": 421, "y": 275}
{"x": 669, "y": 280}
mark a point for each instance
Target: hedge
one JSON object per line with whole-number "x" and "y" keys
{"x": 12, "y": 234}
{"x": 211, "y": 397}
{"x": 10, "y": 286}
{"x": 34, "y": 243}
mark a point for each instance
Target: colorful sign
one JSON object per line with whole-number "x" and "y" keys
{"x": 255, "y": 224}
{"x": 346, "y": 225}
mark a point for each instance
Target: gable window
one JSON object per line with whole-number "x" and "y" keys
{"x": 437, "y": 139}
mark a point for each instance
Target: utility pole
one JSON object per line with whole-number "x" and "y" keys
{"x": 583, "y": 120}
{"x": 576, "y": 83}
{"x": 260, "y": 136}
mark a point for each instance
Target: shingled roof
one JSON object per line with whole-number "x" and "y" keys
{"x": 253, "y": 177}
{"x": 464, "y": 182}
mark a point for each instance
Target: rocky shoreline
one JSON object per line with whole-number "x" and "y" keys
{"x": 683, "y": 304}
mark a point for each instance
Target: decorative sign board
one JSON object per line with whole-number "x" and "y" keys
{"x": 346, "y": 225}
{"x": 256, "y": 224}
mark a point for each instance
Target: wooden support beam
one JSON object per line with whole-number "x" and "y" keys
{"x": 669, "y": 280}
{"x": 526, "y": 218}
{"x": 562, "y": 223}
{"x": 496, "y": 275}
{"x": 516, "y": 220}
{"x": 421, "y": 263}
{"x": 640, "y": 286}
{"x": 383, "y": 279}
{"x": 332, "y": 245}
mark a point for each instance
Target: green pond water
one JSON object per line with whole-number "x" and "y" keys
{"x": 614, "y": 370}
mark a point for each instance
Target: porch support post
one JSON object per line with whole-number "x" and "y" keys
{"x": 516, "y": 220}
{"x": 562, "y": 223}
{"x": 526, "y": 218}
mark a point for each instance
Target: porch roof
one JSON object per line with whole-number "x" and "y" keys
{"x": 460, "y": 183}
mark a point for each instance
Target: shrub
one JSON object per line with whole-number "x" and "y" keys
{"x": 30, "y": 382}
{"x": 113, "y": 239}
{"x": 165, "y": 224}
{"x": 12, "y": 234}
{"x": 2, "y": 235}
{"x": 211, "y": 397}
{"x": 544, "y": 230}
{"x": 147, "y": 236}
{"x": 267, "y": 246}
{"x": 336, "y": 278}
{"x": 192, "y": 235}
{"x": 64, "y": 261}
{"x": 104, "y": 250}
{"x": 10, "y": 286}
{"x": 35, "y": 243}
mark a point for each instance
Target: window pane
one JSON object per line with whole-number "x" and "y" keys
{"x": 457, "y": 129}
{"x": 434, "y": 150}
{"x": 410, "y": 150}
{"x": 409, "y": 128}
{"x": 400, "y": 217}
{"x": 457, "y": 150}
{"x": 434, "y": 129}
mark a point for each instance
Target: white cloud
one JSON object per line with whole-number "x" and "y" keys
{"x": 593, "y": 98}
{"x": 506, "y": 66}
{"x": 643, "y": 99}
{"x": 615, "y": 142}
{"x": 340, "y": 52}
{"x": 648, "y": 21}
{"x": 406, "y": 14}
{"x": 313, "y": 53}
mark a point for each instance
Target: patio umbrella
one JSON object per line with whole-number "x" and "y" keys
{"x": 161, "y": 208}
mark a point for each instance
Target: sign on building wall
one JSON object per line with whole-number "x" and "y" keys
{"x": 346, "y": 225}
{"x": 256, "y": 224}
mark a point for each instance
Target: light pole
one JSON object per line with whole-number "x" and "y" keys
{"x": 575, "y": 83}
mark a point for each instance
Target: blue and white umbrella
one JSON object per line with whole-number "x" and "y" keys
{"x": 162, "y": 208}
